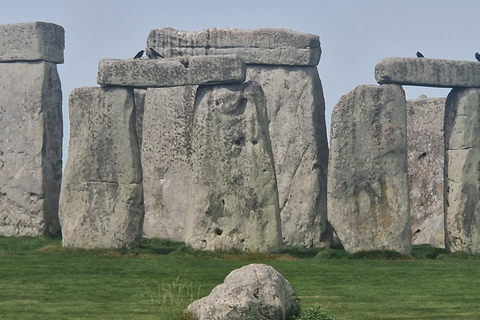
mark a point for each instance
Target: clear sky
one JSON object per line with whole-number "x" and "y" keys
{"x": 354, "y": 34}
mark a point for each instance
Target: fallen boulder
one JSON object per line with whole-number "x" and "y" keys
{"x": 256, "y": 291}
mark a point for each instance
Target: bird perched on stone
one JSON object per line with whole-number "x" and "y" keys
{"x": 139, "y": 54}
{"x": 420, "y": 55}
{"x": 152, "y": 54}
{"x": 477, "y": 56}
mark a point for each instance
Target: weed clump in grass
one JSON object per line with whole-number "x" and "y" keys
{"x": 313, "y": 313}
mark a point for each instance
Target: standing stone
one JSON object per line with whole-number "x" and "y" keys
{"x": 139, "y": 102}
{"x": 296, "y": 114}
{"x": 368, "y": 189}
{"x": 284, "y": 63}
{"x": 425, "y": 168}
{"x": 233, "y": 197}
{"x": 462, "y": 170}
{"x": 101, "y": 202}
{"x": 30, "y": 148}
{"x": 168, "y": 120}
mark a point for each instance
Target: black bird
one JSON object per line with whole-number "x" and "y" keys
{"x": 139, "y": 54}
{"x": 477, "y": 56}
{"x": 152, "y": 54}
{"x": 420, "y": 55}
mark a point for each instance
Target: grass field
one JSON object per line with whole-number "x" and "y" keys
{"x": 41, "y": 280}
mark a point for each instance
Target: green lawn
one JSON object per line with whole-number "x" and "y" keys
{"x": 40, "y": 280}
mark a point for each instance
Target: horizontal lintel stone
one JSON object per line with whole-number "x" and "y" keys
{"x": 266, "y": 46}
{"x": 31, "y": 41}
{"x": 171, "y": 72}
{"x": 428, "y": 72}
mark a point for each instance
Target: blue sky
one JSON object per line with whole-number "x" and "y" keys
{"x": 355, "y": 35}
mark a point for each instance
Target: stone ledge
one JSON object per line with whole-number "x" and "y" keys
{"x": 266, "y": 46}
{"x": 428, "y": 72}
{"x": 171, "y": 72}
{"x": 32, "y": 41}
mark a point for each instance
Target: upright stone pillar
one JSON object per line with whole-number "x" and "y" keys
{"x": 284, "y": 63}
{"x": 368, "y": 198}
{"x": 425, "y": 167}
{"x": 462, "y": 170}
{"x": 101, "y": 202}
{"x": 165, "y": 157}
{"x": 232, "y": 201}
{"x": 31, "y": 128}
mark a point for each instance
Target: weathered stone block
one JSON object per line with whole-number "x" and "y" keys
{"x": 425, "y": 169}
{"x": 171, "y": 72}
{"x": 139, "y": 102}
{"x": 233, "y": 197}
{"x": 101, "y": 201}
{"x": 30, "y": 148}
{"x": 32, "y": 41}
{"x": 368, "y": 189}
{"x": 296, "y": 114}
{"x": 428, "y": 72}
{"x": 256, "y": 291}
{"x": 168, "y": 121}
{"x": 266, "y": 46}
{"x": 462, "y": 170}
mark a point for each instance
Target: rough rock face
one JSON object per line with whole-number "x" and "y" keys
{"x": 425, "y": 168}
{"x": 368, "y": 189}
{"x": 256, "y": 291}
{"x": 171, "y": 72}
{"x": 30, "y": 148}
{"x": 233, "y": 197}
{"x": 168, "y": 121}
{"x": 101, "y": 201}
{"x": 296, "y": 113}
{"x": 32, "y": 41}
{"x": 428, "y": 72}
{"x": 139, "y": 102}
{"x": 462, "y": 170}
{"x": 260, "y": 46}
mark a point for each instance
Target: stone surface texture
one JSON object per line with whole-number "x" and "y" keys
{"x": 255, "y": 291}
{"x": 425, "y": 168}
{"x": 139, "y": 104}
{"x": 32, "y": 41}
{"x": 233, "y": 197}
{"x": 462, "y": 170}
{"x": 101, "y": 201}
{"x": 171, "y": 72}
{"x": 368, "y": 188}
{"x": 428, "y": 72}
{"x": 266, "y": 46}
{"x": 30, "y": 148}
{"x": 168, "y": 121}
{"x": 296, "y": 113}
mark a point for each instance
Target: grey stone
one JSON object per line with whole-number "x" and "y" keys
{"x": 139, "y": 103}
{"x": 368, "y": 188}
{"x": 265, "y": 46}
{"x": 428, "y": 72}
{"x": 101, "y": 200}
{"x": 233, "y": 197}
{"x": 255, "y": 291}
{"x": 171, "y": 72}
{"x": 462, "y": 170}
{"x": 30, "y": 148}
{"x": 296, "y": 113}
{"x": 168, "y": 121}
{"x": 32, "y": 41}
{"x": 425, "y": 168}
